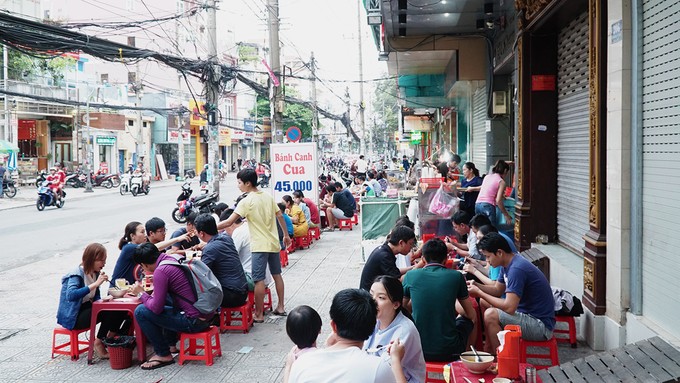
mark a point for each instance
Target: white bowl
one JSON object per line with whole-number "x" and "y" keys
{"x": 468, "y": 359}
{"x": 117, "y": 293}
{"x": 501, "y": 380}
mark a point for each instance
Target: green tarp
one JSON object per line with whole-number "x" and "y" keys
{"x": 378, "y": 216}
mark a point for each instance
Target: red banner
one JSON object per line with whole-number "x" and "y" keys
{"x": 27, "y": 130}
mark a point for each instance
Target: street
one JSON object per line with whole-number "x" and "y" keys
{"x": 34, "y": 235}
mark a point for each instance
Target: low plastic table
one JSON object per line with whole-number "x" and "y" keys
{"x": 117, "y": 304}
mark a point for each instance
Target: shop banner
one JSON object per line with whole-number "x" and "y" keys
{"x": 173, "y": 136}
{"x": 294, "y": 167}
{"x": 224, "y": 136}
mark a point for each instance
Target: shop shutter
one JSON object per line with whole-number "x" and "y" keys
{"x": 660, "y": 158}
{"x": 190, "y": 154}
{"x": 573, "y": 148}
{"x": 478, "y": 144}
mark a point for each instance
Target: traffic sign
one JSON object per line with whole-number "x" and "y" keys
{"x": 293, "y": 134}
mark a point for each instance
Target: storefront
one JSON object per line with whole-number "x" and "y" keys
{"x": 105, "y": 152}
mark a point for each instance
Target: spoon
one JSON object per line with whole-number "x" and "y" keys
{"x": 478, "y": 358}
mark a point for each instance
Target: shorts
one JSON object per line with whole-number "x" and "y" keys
{"x": 532, "y": 329}
{"x": 339, "y": 214}
{"x": 260, "y": 261}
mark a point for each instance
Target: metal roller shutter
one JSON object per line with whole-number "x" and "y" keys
{"x": 660, "y": 155}
{"x": 573, "y": 148}
{"x": 478, "y": 144}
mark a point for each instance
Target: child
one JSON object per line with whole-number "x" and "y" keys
{"x": 303, "y": 327}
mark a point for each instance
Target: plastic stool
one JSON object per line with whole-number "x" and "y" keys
{"x": 209, "y": 350}
{"x": 551, "y": 345}
{"x": 292, "y": 247}
{"x": 267, "y": 299}
{"x": 74, "y": 349}
{"x": 435, "y": 368}
{"x": 355, "y": 219}
{"x": 301, "y": 242}
{"x": 315, "y": 232}
{"x": 571, "y": 330}
{"x": 345, "y": 223}
{"x": 283, "y": 255}
{"x": 245, "y": 320}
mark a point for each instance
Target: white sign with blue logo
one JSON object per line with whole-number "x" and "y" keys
{"x": 294, "y": 168}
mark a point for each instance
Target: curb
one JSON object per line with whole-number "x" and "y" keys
{"x": 24, "y": 202}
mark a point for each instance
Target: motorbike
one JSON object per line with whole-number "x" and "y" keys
{"x": 263, "y": 179}
{"x": 189, "y": 173}
{"x": 8, "y": 188}
{"x": 203, "y": 203}
{"x": 125, "y": 183}
{"x": 137, "y": 185}
{"x": 42, "y": 175}
{"x": 74, "y": 180}
{"x": 105, "y": 180}
{"x": 47, "y": 198}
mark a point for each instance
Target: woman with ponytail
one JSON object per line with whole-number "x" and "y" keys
{"x": 394, "y": 322}
{"x": 135, "y": 234}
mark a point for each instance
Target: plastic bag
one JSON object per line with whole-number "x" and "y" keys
{"x": 123, "y": 341}
{"x": 442, "y": 204}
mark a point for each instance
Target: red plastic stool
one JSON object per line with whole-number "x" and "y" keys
{"x": 245, "y": 320}
{"x": 283, "y": 255}
{"x": 551, "y": 345}
{"x": 435, "y": 368}
{"x": 355, "y": 219}
{"x": 302, "y": 242}
{"x": 267, "y": 299}
{"x": 210, "y": 350}
{"x": 345, "y": 223}
{"x": 292, "y": 246}
{"x": 315, "y": 232}
{"x": 571, "y": 330}
{"x": 74, "y": 350}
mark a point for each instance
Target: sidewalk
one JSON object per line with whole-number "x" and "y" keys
{"x": 31, "y": 296}
{"x": 27, "y": 194}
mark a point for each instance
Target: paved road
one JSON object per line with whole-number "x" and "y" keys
{"x": 97, "y": 217}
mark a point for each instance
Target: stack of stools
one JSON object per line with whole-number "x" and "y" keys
{"x": 315, "y": 232}
{"x": 210, "y": 350}
{"x": 571, "y": 329}
{"x": 552, "y": 354}
{"x": 283, "y": 254}
{"x": 72, "y": 347}
{"x": 267, "y": 299}
{"x": 245, "y": 320}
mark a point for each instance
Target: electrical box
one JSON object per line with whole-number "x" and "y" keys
{"x": 499, "y": 102}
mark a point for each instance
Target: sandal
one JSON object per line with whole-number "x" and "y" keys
{"x": 156, "y": 363}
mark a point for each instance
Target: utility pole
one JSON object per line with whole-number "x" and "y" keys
{"x": 211, "y": 91}
{"x": 315, "y": 111}
{"x": 276, "y": 92}
{"x": 5, "y": 61}
{"x": 140, "y": 121}
{"x": 347, "y": 104}
{"x": 362, "y": 105}
{"x": 180, "y": 115}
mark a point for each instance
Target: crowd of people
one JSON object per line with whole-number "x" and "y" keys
{"x": 385, "y": 330}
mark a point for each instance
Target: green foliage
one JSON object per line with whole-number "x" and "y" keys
{"x": 27, "y": 68}
{"x": 294, "y": 115}
{"x": 386, "y": 112}
{"x": 247, "y": 54}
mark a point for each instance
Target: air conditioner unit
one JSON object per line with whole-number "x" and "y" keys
{"x": 499, "y": 102}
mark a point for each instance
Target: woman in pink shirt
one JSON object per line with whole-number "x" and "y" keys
{"x": 491, "y": 194}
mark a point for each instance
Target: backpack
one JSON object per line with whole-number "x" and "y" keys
{"x": 205, "y": 284}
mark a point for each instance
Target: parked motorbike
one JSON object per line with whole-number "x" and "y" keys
{"x": 73, "y": 180}
{"x": 189, "y": 173}
{"x": 47, "y": 198}
{"x": 42, "y": 175}
{"x": 203, "y": 203}
{"x": 8, "y": 188}
{"x": 105, "y": 180}
{"x": 137, "y": 185}
{"x": 263, "y": 180}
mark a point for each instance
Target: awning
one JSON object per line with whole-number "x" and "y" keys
{"x": 7, "y": 147}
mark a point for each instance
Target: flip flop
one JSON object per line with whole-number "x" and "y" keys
{"x": 258, "y": 320}
{"x": 280, "y": 313}
{"x": 158, "y": 364}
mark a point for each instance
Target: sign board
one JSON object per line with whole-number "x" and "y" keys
{"x": 173, "y": 136}
{"x": 238, "y": 134}
{"x": 224, "y": 136}
{"x": 106, "y": 140}
{"x": 196, "y": 110}
{"x": 294, "y": 168}
{"x": 293, "y": 134}
{"x": 416, "y": 138}
{"x": 104, "y": 168}
{"x": 543, "y": 82}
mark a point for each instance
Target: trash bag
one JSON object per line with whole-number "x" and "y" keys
{"x": 122, "y": 341}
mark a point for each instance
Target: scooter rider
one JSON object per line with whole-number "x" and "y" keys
{"x": 54, "y": 183}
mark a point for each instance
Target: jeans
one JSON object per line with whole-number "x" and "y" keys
{"x": 161, "y": 329}
{"x": 488, "y": 210}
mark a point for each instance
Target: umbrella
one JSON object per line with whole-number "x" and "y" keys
{"x": 7, "y": 147}
{"x": 12, "y": 161}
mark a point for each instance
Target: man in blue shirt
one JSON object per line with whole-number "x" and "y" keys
{"x": 528, "y": 298}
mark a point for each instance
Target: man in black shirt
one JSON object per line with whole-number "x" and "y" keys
{"x": 383, "y": 260}
{"x": 192, "y": 242}
{"x": 340, "y": 207}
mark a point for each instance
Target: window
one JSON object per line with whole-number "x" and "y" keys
{"x": 104, "y": 78}
{"x": 145, "y": 124}
{"x": 229, "y": 111}
{"x": 131, "y": 122}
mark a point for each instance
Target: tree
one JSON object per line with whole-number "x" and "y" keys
{"x": 28, "y": 68}
{"x": 385, "y": 114}
{"x": 294, "y": 115}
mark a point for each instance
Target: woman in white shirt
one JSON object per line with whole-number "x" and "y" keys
{"x": 393, "y": 323}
